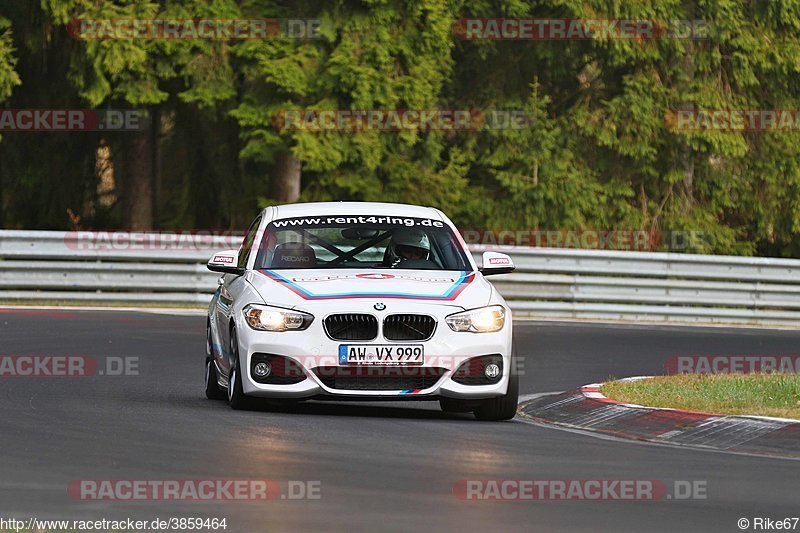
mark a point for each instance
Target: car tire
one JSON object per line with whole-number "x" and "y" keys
{"x": 213, "y": 392}
{"x": 236, "y": 396}
{"x": 503, "y": 407}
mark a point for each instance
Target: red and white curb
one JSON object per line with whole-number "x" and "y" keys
{"x": 593, "y": 391}
{"x": 588, "y": 409}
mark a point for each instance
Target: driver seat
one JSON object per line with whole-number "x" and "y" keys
{"x": 294, "y": 255}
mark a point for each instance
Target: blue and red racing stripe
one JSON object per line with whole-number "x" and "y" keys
{"x": 451, "y": 293}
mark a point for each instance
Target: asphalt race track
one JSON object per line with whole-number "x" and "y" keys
{"x": 381, "y": 467}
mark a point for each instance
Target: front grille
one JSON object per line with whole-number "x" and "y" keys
{"x": 351, "y": 327}
{"x": 285, "y": 371}
{"x": 471, "y": 371}
{"x": 379, "y": 377}
{"x": 408, "y": 327}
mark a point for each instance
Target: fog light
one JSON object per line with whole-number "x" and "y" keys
{"x": 491, "y": 371}
{"x": 262, "y": 369}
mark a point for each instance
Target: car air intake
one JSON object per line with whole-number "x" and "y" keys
{"x": 473, "y": 371}
{"x": 408, "y": 327}
{"x": 351, "y": 327}
{"x": 275, "y": 370}
{"x": 376, "y": 377}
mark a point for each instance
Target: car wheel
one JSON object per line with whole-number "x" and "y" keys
{"x": 213, "y": 392}
{"x": 503, "y": 407}
{"x": 236, "y": 396}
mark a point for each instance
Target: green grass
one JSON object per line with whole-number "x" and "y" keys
{"x": 733, "y": 394}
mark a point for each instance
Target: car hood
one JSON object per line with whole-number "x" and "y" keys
{"x": 304, "y": 288}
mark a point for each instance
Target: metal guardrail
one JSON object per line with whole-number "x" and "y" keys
{"x": 59, "y": 267}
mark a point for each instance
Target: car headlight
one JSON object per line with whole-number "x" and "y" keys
{"x": 481, "y": 320}
{"x": 268, "y": 318}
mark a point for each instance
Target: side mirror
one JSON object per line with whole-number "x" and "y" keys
{"x": 496, "y": 263}
{"x": 225, "y": 262}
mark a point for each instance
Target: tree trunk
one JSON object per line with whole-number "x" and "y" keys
{"x": 285, "y": 182}
{"x": 688, "y": 153}
{"x": 138, "y": 201}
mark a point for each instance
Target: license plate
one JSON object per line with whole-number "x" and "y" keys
{"x": 381, "y": 354}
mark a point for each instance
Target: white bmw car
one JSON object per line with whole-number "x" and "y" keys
{"x": 360, "y": 301}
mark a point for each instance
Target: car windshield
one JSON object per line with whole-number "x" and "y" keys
{"x": 361, "y": 242}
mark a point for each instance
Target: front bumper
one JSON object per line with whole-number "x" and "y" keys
{"x": 312, "y": 348}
